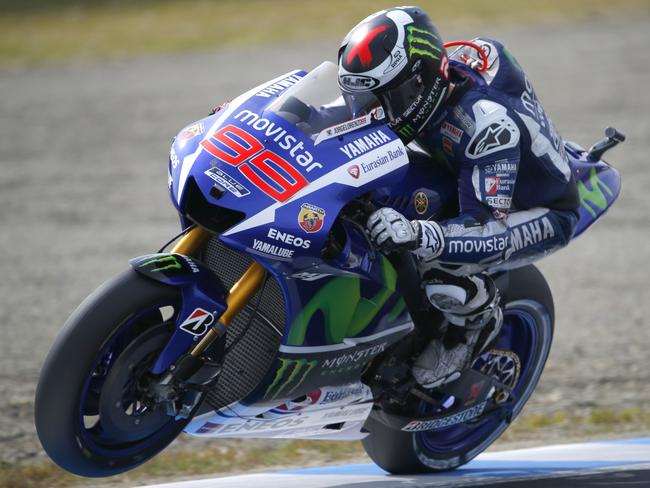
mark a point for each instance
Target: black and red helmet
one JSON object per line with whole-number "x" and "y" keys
{"x": 399, "y": 56}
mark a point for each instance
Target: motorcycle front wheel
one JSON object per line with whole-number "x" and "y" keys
{"x": 94, "y": 412}
{"x": 517, "y": 358}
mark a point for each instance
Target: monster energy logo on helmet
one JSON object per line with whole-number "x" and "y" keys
{"x": 290, "y": 375}
{"x": 422, "y": 42}
{"x": 406, "y": 131}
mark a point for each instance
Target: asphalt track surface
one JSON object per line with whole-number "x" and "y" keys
{"x": 623, "y": 463}
{"x": 83, "y": 188}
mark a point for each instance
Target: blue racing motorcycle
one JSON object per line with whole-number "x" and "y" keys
{"x": 272, "y": 315}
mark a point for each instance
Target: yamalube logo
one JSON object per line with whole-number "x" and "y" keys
{"x": 198, "y": 322}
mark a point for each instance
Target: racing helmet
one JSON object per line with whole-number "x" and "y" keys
{"x": 398, "y": 55}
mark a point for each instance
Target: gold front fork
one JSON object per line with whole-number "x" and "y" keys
{"x": 191, "y": 242}
{"x": 239, "y": 295}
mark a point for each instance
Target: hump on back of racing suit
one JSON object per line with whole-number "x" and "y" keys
{"x": 544, "y": 177}
{"x": 517, "y": 195}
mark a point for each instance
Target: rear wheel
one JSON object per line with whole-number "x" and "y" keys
{"x": 517, "y": 359}
{"x": 95, "y": 412}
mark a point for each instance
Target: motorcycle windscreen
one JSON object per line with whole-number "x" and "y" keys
{"x": 316, "y": 103}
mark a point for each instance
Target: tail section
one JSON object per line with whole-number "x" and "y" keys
{"x": 599, "y": 184}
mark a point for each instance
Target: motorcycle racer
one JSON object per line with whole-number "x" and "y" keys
{"x": 478, "y": 115}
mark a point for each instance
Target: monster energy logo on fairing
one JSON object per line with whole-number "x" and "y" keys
{"x": 296, "y": 369}
{"x": 421, "y": 41}
{"x": 167, "y": 262}
{"x": 595, "y": 196}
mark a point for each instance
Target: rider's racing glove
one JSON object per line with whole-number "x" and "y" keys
{"x": 390, "y": 232}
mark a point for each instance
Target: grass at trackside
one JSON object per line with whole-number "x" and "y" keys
{"x": 238, "y": 456}
{"x": 36, "y": 31}
{"x": 590, "y": 423}
{"x": 224, "y": 457}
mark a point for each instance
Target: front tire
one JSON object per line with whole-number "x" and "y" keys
{"x": 526, "y": 337}
{"x": 91, "y": 414}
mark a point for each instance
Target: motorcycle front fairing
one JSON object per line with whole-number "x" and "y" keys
{"x": 262, "y": 159}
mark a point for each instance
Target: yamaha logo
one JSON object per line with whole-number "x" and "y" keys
{"x": 421, "y": 202}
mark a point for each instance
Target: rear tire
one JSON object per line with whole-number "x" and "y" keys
{"x": 528, "y": 304}
{"x": 123, "y": 317}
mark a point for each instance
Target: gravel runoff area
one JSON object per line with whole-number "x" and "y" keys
{"x": 83, "y": 189}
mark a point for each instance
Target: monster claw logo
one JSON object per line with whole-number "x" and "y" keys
{"x": 162, "y": 264}
{"x": 421, "y": 41}
{"x": 406, "y": 131}
{"x": 291, "y": 372}
{"x": 311, "y": 218}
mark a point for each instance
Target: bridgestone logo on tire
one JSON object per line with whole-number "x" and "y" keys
{"x": 464, "y": 416}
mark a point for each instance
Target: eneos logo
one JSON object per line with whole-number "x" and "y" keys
{"x": 311, "y": 218}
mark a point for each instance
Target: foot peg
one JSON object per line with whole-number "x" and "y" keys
{"x": 611, "y": 139}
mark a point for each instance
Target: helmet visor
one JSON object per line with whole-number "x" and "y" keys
{"x": 401, "y": 101}
{"x": 361, "y": 103}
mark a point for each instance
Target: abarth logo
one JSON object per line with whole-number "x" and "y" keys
{"x": 311, "y": 218}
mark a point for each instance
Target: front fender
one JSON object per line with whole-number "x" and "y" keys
{"x": 203, "y": 300}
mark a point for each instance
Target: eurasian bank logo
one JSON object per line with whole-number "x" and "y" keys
{"x": 291, "y": 374}
{"x": 421, "y": 41}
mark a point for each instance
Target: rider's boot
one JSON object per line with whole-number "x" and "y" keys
{"x": 473, "y": 318}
